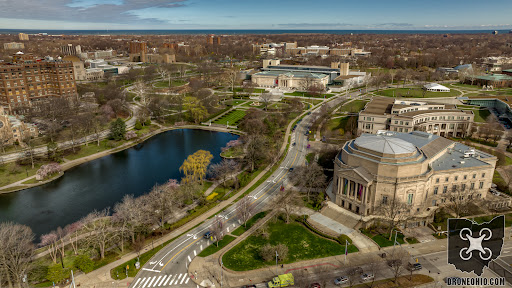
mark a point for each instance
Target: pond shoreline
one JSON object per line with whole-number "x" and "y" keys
{"x": 66, "y": 166}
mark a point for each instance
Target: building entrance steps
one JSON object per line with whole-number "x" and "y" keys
{"x": 340, "y": 215}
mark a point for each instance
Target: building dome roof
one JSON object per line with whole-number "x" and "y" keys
{"x": 385, "y": 144}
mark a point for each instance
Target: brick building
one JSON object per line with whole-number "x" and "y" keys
{"x": 138, "y": 47}
{"x": 29, "y": 79}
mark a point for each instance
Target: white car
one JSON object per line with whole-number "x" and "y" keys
{"x": 341, "y": 280}
{"x": 367, "y": 277}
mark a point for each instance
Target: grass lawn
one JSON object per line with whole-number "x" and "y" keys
{"x": 11, "y": 172}
{"x": 302, "y": 245}
{"x": 213, "y": 247}
{"x": 174, "y": 83}
{"x": 383, "y": 240}
{"x": 416, "y": 93}
{"x": 240, "y": 230}
{"x": 256, "y": 90}
{"x": 232, "y": 117}
{"x": 481, "y": 115}
{"x": 90, "y": 149}
{"x": 233, "y": 152}
{"x": 310, "y": 157}
{"x": 354, "y": 106}
{"x": 459, "y": 85}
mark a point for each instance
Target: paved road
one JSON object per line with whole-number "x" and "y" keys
{"x": 168, "y": 268}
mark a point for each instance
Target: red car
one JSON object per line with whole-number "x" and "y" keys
{"x": 315, "y": 285}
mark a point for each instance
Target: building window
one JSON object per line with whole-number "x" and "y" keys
{"x": 463, "y": 187}
{"x": 446, "y": 179}
{"x": 474, "y": 176}
{"x": 465, "y": 177}
{"x": 454, "y": 188}
{"x": 435, "y": 190}
{"x": 437, "y": 180}
{"x": 434, "y": 202}
{"x": 456, "y": 178}
{"x": 483, "y": 175}
{"x": 409, "y": 199}
{"x": 445, "y": 188}
{"x": 384, "y": 199}
{"x": 472, "y": 186}
{"x": 481, "y": 185}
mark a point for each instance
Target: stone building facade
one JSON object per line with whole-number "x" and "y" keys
{"x": 419, "y": 169}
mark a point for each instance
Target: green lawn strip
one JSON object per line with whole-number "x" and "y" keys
{"x": 92, "y": 148}
{"x": 256, "y": 90}
{"x": 310, "y": 157}
{"x": 12, "y": 172}
{"x": 306, "y": 94}
{"x": 174, "y": 83}
{"x": 213, "y": 248}
{"x": 383, "y": 240}
{"x": 233, "y": 152}
{"x": 416, "y": 92}
{"x": 234, "y": 102}
{"x": 412, "y": 240}
{"x": 481, "y": 115}
{"x": 302, "y": 245}
{"x": 354, "y": 106}
{"x": 240, "y": 230}
{"x": 232, "y": 118}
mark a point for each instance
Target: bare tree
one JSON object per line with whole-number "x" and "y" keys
{"x": 265, "y": 98}
{"x": 72, "y": 232}
{"x": 398, "y": 261}
{"x": 244, "y": 210}
{"x": 288, "y": 202}
{"x": 309, "y": 178}
{"x": 100, "y": 231}
{"x": 459, "y": 199}
{"x": 4, "y": 138}
{"x": 394, "y": 212}
{"x": 141, "y": 89}
{"x": 217, "y": 229}
{"x": 16, "y": 250}
{"x": 50, "y": 242}
{"x": 224, "y": 170}
{"x": 255, "y": 150}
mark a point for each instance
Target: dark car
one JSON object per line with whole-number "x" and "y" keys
{"x": 415, "y": 267}
{"x": 341, "y": 280}
{"x": 291, "y": 169}
{"x": 207, "y": 235}
{"x": 294, "y": 144}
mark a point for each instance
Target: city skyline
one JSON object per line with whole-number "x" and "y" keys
{"x": 265, "y": 14}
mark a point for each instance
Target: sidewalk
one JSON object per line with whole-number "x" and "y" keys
{"x": 102, "y": 275}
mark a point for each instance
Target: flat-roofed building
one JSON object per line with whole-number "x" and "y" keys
{"x": 30, "y": 79}
{"x": 295, "y": 80}
{"x": 422, "y": 171}
{"x": 494, "y": 80}
{"x": 14, "y": 46}
{"x": 385, "y": 113}
{"x": 23, "y": 37}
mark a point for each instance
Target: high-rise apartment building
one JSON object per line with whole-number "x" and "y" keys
{"x": 23, "y": 37}
{"x": 14, "y": 46}
{"x": 71, "y": 49}
{"x": 138, "y": 47}
{"x": 30, "y": 79}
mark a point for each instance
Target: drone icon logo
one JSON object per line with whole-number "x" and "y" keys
{"x": 475, "y": 244}
{"x": 471, "y": 246}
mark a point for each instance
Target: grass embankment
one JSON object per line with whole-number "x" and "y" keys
{"x": 354, "y": 106}
{"x": 240, "y": 230}
{"x": 231, "y": 118}
{"x": 383, "y": 239}
{"x": 481, "y": 115}
{"x": 306, "y": 94}
{"x": 214, "y": 247}
{"x": 416, "y": 92}
{"x": 302, "y": 245}
{"x": 12, "y": 172}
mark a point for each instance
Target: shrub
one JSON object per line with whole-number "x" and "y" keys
{"x": 148, "y": 122}
{"x": 130, "y": 135}
{"x": 268, "y": 252}
{"x": 57, "y": 274}
{"x": 84, "y": 263}
{"x": 138, "y": 126}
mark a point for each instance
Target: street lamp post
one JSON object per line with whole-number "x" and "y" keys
{"x": 277, "y": 272}
{"x": 221, "y": 274}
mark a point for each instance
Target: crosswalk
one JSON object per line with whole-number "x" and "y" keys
{"x": 162, "y": 281}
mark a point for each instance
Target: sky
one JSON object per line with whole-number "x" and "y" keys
{"x": 261, "y": 14}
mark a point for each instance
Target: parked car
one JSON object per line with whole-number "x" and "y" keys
{"x": 367, "y": 277}
{"x": 207, "y": 235}
{"x": 415, "y": 267}
{"x": 291, "y": 169}
{"x": 294, "y": 144}
{"x": 341, "y": 280}
{"x": 315, "y": 285}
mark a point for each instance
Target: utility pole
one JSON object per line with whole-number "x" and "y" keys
{"x": 277, "y": 272}
{"x": 221, "y": 274}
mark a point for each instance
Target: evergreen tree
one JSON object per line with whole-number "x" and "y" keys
{"x": 117, "y": 129}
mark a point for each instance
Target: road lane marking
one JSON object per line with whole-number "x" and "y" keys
{"x": 189, "y": 260}
{"x": 201, "y": 247}
{"x": 195, "y": 254}
{"x": 147, "y": 269}
{"x": 163, "y": 279}
{"x": 151, "y": 282}
{"x": 145, "y": 282}
{"x": 178, "y": 279}
{"x": 167, "y": 280}
{"x": 170, "y": 283}
{"x": 157, "y": 279}
{"x": 188, "y": 278}
{"x": 183, "y": 279}
{"x": 263, "y": 189}
{"x": 136, "y": 282}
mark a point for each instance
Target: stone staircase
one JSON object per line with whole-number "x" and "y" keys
{"x": 340, "y": 215}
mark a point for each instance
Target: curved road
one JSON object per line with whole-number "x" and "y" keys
{"x": 168, "y": 268}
